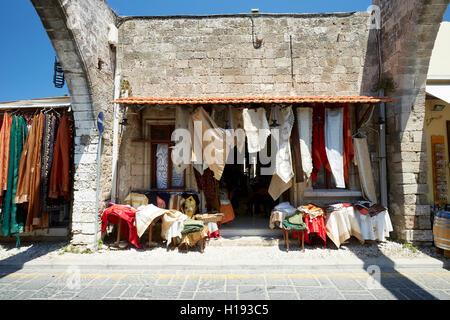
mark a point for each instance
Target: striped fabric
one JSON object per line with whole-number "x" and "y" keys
{"x": 441, "y": 230}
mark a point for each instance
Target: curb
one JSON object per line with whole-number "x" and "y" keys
{"x": 305, "y": 265}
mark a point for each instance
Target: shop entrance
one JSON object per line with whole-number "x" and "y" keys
{"x": 248, "y": 193}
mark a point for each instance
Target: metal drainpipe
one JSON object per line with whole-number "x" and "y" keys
{"x": 382, "y": 155}
{"x": 115, "y": 154}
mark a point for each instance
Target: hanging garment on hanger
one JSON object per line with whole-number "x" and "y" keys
{"x": 334, "y": 143}
{"x": 59, "y": 185}
{"x": 362, "y": 158}
{"x": 349, "y": 151}
{"x": 304, "y": 122}
{"x": 13, "y": 215}
{"x": 29, "y": 177}
{"x": 296, "y": 151}
{"x": 237, "y": 123}
{"x": 283, "y": 161}
{"x": 319, "y": 155}
{"x": 5, "y": 136}
{"x": 208, "y": 185}
{"x": 45, "y": 153}
{"x": 179, "y": 158}
{"x": 212, "y": 141}
{"x": 256, "y": 128}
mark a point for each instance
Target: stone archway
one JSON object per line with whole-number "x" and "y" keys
{"x": 408, "y": 33}
{"x": 78, "y": 31}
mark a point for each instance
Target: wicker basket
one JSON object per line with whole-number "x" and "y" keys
{"x": 208, "y": 217}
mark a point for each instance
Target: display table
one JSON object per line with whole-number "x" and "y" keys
{"x": 287, "y": 227}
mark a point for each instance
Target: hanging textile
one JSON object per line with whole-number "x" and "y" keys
{"x": 5, "y": 136}
{"x": 256, "y": 128}
{"x": 208, "y": 185}
{"x": 59, "y": 185}
{"x": 219, "y": 115}
{"x": 29, "y": 176}
{"x": 282, "y": 178}
{"x": 334, "y": 143}
{"x": 162, "y": 166}
{"x": 283, "y": 161}
{"x": 212, "y": 142}
{"x": 175, "y": 202}
{"x": 362, "y": 159}
{"x": 278, "y": 187}
{"x": 237, "y": 123}
{"x": 135, "y": 200}
{"x": 45, "y": 157}
{"x": 349, "y": 151}
{"x": 304, "y": 122}
{"x": 319, "y": 155}
{"x": 296, "y": 151}
{"x": 179, "y": 159}
{"x": 14, "y": 216}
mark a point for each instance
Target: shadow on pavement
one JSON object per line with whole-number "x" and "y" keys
{"x": 14, "y": 263}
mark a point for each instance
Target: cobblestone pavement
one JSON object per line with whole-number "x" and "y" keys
{"x": 74, "y": 284}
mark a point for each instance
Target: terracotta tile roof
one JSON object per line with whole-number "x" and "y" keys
{"x": 235, "y": 100}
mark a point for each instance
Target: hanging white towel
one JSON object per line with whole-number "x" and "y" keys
{"x": 304, "y": 116}
{"x": 256, "y": 128}
{"x": 334, "y": 143}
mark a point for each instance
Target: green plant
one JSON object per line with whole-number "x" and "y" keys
{"x": 410, "y": 247}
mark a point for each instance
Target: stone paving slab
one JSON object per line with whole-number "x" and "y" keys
{"x": 428, "y": 284}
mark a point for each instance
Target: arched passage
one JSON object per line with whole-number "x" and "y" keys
{"x": 78, "y": 31}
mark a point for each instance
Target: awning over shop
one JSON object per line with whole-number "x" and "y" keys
{"x": 237, "y": 100}
{"x": 440, "y": 91}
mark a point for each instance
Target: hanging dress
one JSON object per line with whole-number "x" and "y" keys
{"x": 14, "y": 216}
{"x": 59, "y": 185}
{"x": 5, "y": 136}
{"x": 29, "y": 177}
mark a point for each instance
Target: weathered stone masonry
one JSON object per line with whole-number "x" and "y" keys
{"x": 409, "y": 30}
{"x": 332, "y": 54}
{"x": 78, "y": 31}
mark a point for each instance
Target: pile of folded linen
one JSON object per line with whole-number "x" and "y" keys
{"x": 280, "y": 213}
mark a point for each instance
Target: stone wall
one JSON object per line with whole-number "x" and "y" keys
{"x": 78, "y": 32}
{"x": 408, "y": 33}
{"x": 215, "y": 55}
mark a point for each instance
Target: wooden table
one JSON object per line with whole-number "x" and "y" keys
{"x": 150, "y": 230}
{"x": 286, "y": 237}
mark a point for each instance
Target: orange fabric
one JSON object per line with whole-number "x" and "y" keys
{"x": 59, "y": 185}
{"x": 29, "y": 177}
{"x": 227, "y": 210}
{"x": 5, "y": 135}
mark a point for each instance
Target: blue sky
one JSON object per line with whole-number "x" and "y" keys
{"x": 27, "y": 55}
